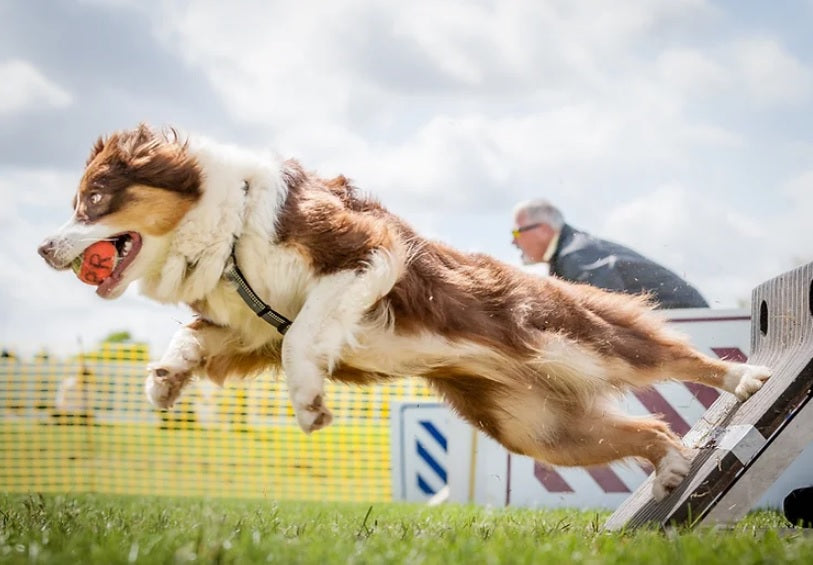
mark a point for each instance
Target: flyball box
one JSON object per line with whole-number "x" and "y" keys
{"x": 739, "y": 449}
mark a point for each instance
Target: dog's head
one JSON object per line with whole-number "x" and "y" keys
{"x": 136, "y": 188}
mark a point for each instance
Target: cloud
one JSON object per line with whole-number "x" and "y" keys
{"x": 769, "y": 74}
{"x": 115, "y": 73}
{"x": 462, "y": 102}
{"x": 23, "y": 88}
{"x": 724, "y": 252}
{"x": 329, "y": 60}
{"x": 759, "y": 69}
{"x": 678, "y": 127}
{"x": 692, "y": 71}
{"x": 798, "y": 194}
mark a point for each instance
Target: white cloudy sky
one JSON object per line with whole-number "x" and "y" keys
{"x": 681, "y": 128}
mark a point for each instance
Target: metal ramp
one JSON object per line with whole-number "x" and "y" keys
{"x": 742, "y": 448}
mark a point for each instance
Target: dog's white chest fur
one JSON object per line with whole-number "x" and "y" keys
{"x": 278, "y": 275}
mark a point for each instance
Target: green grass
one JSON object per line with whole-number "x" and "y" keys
{"x": 106, "y": 529}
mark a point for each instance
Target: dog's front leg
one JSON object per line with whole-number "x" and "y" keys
{"x": 306, "y": 350}
{"x": 326, "y": 326}
{"x": 186, "y": 354}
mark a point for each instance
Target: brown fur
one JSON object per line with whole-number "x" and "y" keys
{"x": 223, "y": 361}
{"x": 466, "y": 296}
{"x": 248, "y": 364}
{"x": 137, "y": 159}
{"x": 154, "y": 210}
{"x": 318, "y": 220}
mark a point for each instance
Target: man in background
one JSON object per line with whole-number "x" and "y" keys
{"x": 542, "y": 236}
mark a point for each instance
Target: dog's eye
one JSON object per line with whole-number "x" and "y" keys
{"x": 95, "y": 197}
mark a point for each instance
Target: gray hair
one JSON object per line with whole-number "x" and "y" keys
{"x": 540, "y": 211}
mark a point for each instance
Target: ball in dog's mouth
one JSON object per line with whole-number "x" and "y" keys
{"x": 103, "y": 263}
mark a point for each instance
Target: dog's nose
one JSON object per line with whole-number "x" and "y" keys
{"x": 46, "y": 250}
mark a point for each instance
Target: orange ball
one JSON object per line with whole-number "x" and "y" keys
{"x": 96, "y": 263}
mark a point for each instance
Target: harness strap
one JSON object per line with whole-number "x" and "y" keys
{"x": 263, "y": 310}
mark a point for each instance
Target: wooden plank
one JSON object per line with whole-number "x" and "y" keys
{"x": 732, "y": 436}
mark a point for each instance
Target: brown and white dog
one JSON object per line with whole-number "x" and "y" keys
{"x": 535, "y": 363}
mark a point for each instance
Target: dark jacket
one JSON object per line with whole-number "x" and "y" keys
{"x": 581, "y": 257}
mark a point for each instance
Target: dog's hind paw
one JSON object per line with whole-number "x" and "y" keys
{"x": 164, "y": 385}
{"x": 669, "y": 473}
{"x": 744, "y": 380}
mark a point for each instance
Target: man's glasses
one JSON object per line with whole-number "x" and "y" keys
{"x": 516, "y": 231}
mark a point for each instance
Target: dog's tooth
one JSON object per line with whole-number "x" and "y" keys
{"x": 126, "y": 247}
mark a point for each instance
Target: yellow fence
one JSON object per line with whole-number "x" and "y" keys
{"x": 67, "y": 426}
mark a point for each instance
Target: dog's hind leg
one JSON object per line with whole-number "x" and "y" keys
{"x": 325, "y": 326}
{"x": 601, "y": 438}
{"x": 681, "y": 362}
{"x": 597, "y": 436}
{"x": 647, "y": 352}
{"x": 740, "y": 379}
{"x": 569, "y": 431}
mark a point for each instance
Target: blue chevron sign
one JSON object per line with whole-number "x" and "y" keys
{"x": 420, "y": 450}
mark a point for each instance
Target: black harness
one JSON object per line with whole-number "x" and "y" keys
{"x": 263, "y": 310}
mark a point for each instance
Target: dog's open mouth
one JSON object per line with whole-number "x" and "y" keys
{"x": 127, "y": 245}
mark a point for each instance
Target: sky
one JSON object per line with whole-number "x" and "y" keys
{"x": 681, "y": 128}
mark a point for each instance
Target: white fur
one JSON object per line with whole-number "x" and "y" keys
{"x": 167, "y": 379}
{"x": 670, "y": 472}
{"x": 327, "y": 324}
{"x": 225, "y": 213}
{"x": 743, "y": 380}
{"x": 75, "y": 236}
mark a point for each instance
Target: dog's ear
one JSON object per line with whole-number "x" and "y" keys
{"x": 160, "y": 160}
{"x": 138, "y": 145}
{"x": 97, "y": 148}
{"x": 293, "y": 174}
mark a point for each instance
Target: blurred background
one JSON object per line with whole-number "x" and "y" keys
{"x": 681, "y": 128}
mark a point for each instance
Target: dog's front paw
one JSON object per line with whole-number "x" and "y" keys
{"x": 164, "y": 385}
{"x": 669, "y": 473}
{"x": 744, "y": 380}
{"x": 312, "y": 415}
